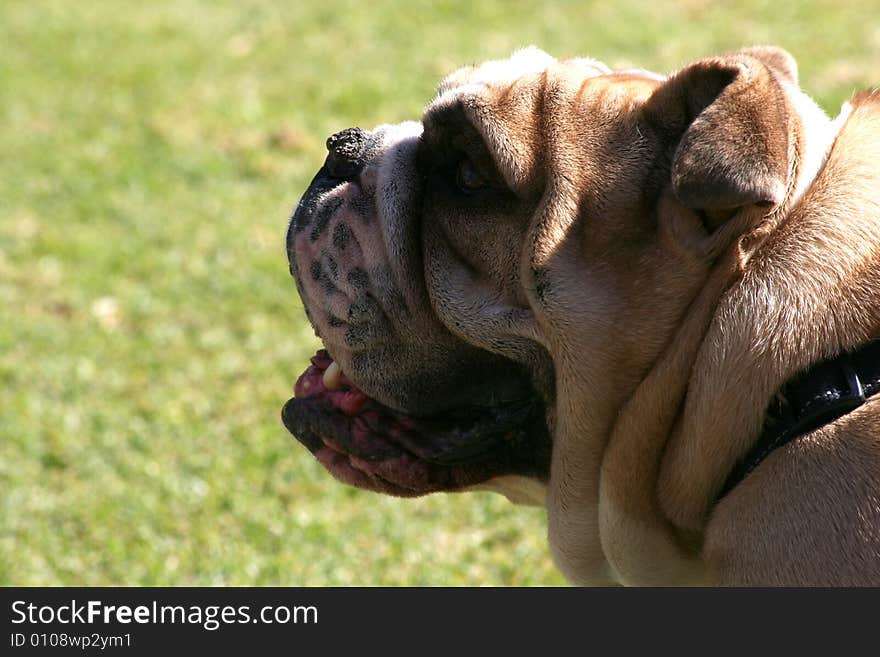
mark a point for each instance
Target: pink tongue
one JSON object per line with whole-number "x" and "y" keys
{"x": 346, "y": 398}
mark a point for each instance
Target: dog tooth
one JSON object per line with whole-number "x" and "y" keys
{"x": 332, "y": 375}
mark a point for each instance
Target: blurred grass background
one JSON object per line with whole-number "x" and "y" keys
{"x": 149, "y": 333}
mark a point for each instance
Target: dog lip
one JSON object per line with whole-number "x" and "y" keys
{"x": 368, "y": 445}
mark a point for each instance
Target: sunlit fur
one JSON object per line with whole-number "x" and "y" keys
{"x": 670, "y": 251}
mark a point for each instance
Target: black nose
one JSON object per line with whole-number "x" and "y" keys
{"x": 345, "y": 157}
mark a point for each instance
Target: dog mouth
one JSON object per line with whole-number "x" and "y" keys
{"x": 366, "y": 444}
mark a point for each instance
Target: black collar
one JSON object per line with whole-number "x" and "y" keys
{"x": 815, "y": 397}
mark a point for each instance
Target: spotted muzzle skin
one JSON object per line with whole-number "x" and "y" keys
{"x": 421, "y": 410}
{"x": 354, "y": 248}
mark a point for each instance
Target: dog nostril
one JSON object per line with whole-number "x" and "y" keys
{"x": 347, "y": 143}
{"x": 345, "y": 151}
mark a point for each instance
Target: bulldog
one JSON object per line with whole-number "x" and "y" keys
{"x": 648, "y": 303}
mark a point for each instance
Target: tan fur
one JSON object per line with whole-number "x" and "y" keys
{"x": 668, "y": 345}
{"x": 663, "y": 254}
{"x": 809, "y": 516}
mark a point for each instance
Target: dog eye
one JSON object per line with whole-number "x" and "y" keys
{"x": 468, "y": 178}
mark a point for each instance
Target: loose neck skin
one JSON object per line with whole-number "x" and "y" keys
{"x": 807, "y": 294}
{"x": 643, "y": 541}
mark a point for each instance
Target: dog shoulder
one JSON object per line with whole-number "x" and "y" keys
{"x": 809, "y": 515}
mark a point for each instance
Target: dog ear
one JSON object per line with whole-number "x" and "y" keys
{"x": 777, "y": 59}
{"x": 727, "y": 123}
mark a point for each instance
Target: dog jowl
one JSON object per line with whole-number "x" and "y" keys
{"x": 396, "y": 403}
{"x": 583, "y": 288}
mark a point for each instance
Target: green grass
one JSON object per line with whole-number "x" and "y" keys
{"x": 149, "y": 333}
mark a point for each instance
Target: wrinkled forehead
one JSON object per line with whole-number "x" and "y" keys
{"x": 502, "y": 99}
{"x": 528, "y": 62}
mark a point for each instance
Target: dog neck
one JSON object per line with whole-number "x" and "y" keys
{"x": 739, "y": 345}
{"x": 808, "y": 293}
{"x": 811, "y": 400}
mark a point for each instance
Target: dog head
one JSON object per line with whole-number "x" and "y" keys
{"x": 522, "y": 255}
